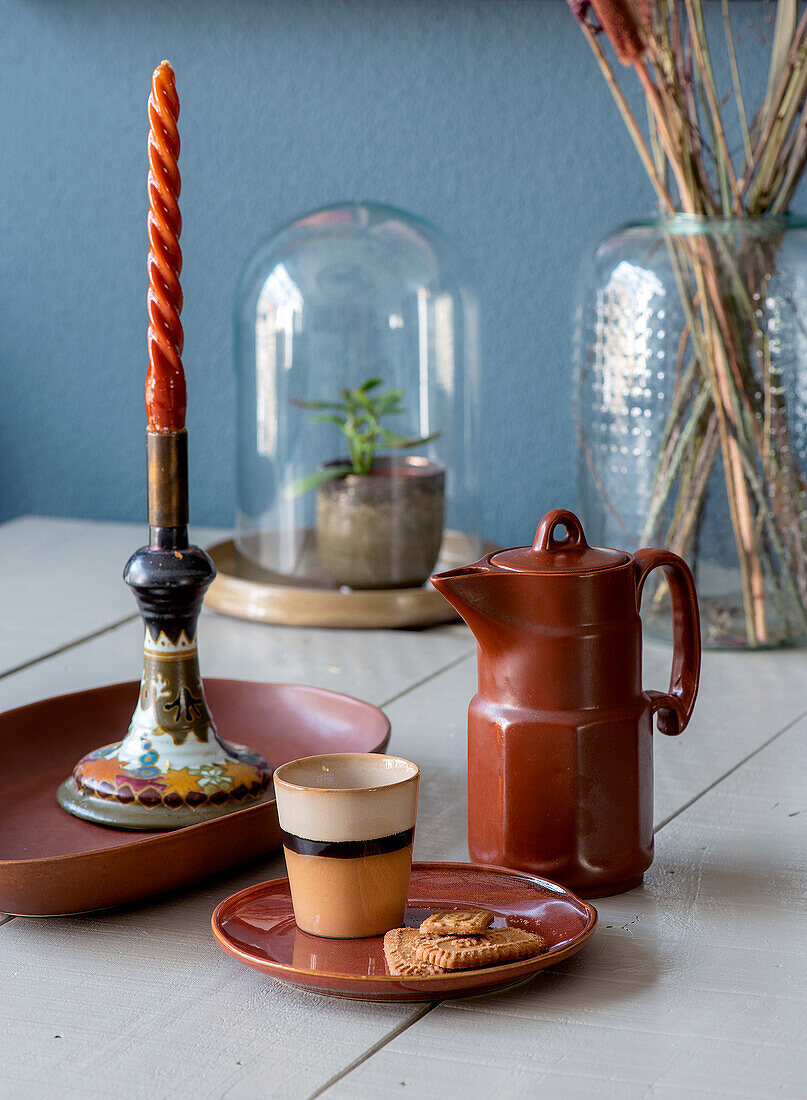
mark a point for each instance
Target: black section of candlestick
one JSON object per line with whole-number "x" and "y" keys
{"x": 167, "y": 478}
{"x": 169, "y": 584}
{"x": 348, "y": 849}
{"x": 169, "y": 538}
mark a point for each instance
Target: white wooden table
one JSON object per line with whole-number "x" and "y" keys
{"x": 694, "y": 985}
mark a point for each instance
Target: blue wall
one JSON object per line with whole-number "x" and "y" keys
{"x": 488, "y": 118}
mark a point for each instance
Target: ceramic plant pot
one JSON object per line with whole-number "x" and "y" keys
{"x": 382, "y": 529}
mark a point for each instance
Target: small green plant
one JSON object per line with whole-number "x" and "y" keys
{"x": 358, "y": 415}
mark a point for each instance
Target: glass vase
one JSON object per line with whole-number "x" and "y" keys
{"x": 691, "y": 414}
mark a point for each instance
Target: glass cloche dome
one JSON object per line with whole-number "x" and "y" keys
{"x": 358, "y": 382}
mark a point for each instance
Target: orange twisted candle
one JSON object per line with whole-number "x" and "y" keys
{"x": 165, "y": 381}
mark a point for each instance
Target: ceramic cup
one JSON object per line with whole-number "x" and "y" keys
{"x": 348, "y": 820}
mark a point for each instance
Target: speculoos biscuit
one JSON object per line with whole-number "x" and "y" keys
{"x": 400, "y": 955}
{"x": 497, "y": 945}
{"x": 458, "y": 922}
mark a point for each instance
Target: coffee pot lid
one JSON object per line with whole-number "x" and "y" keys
{"x": 549, "y": 554}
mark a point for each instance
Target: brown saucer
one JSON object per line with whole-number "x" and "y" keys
{"x": 256, "y": 926}
{"x": 53, "y": 863}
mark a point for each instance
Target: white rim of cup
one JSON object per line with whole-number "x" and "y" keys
{"x": 278, "y": 778}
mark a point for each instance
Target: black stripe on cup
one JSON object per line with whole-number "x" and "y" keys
{"x": 348, "y": 849}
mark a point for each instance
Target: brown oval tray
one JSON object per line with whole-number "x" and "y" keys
{"x": 246, "y": 591}
{"x": 53, "y": 863}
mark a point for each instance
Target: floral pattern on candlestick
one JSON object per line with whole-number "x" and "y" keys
{"x": 172, "y": 755}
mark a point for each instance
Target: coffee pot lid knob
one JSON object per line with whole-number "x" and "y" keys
{"x": 569, "y": 553}
{"x": 546, "y": 537}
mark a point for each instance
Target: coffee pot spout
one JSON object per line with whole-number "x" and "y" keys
{"x": 471, "y": 592}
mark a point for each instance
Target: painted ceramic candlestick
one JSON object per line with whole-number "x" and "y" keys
{"x": 172, "y": 768}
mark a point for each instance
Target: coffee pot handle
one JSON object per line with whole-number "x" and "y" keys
{"x": 674, "y": 708}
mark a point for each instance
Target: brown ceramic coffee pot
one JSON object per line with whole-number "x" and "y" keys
{"x": 560, "y": 732}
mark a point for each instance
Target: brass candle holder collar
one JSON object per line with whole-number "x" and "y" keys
{"x": 172, "y": 768}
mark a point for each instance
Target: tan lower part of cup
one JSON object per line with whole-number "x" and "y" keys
{"x": 349, "y": 898}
